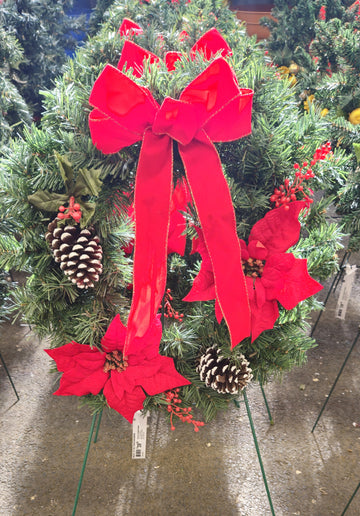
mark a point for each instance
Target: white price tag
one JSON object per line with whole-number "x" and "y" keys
{"x": 139, "y": 428}
{"x": 345, "y": 292}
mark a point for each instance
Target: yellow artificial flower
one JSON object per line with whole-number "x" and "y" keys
{"x": 294, "y": 68}
{"x": 324, "y": 112}
{"x": 284, "y": 70}
{"x": 309, "y": 100}
{"x": 354, "y": 116}
{"x": 292, "y": 79}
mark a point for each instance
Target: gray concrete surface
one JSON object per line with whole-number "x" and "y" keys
{"x": 213, "y": 472}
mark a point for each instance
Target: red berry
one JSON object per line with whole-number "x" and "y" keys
{"x": 61, "y": 216}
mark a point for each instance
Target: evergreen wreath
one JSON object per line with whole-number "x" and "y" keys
{"x": 280, "y": 246}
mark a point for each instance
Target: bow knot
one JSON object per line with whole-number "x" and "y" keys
{"x": 177, "y": 119}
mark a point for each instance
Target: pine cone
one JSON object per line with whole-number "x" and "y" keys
{"x": 78, "y": 251}
{"x": 218, "y": 373}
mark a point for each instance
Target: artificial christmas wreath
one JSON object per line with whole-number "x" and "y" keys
{"x": 193, "y": 223}
{"x": 246, "y": 281}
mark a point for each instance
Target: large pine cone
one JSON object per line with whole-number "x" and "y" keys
{"x": 78, "y": 251}
{"x": 218, "y": 373}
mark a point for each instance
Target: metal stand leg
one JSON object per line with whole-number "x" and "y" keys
{"x": 266, "y": 404}
{"x": 351, "y": 499}
{"x": 98, "y": 426}
{"x": 86, "y": 456}
{"x": 343, "y": 262}
{"x": 7, "y": 372}
{"x": 336, "y": 379}
{"x": 258, "y": 451}
{"x": 335, "y": 280}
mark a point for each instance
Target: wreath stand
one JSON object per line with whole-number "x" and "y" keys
{"x": 96, "y": 420}
{"x": 10, "y": 379}
{"x": 334, "y": 285}
{"x": 327, "y": 399}
{"x": 351, "y": 499}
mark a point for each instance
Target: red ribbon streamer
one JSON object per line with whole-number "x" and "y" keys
{"x": 211, "y": 108}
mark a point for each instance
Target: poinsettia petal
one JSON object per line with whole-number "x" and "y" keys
{"x": 274, "y": 274}
{"x": 298, "y": 285}
{"x": 244, "y": 250}
{"x": 166, "y": 377}
{"x": 114, "y": 338}
{"x": 260, "y": 293}
{"x": 257, "y": 250}
{"x": 177, "y": 238}
{"x": 263, "y": 318}
{"x": 82, "y": 369}
{"x": 72, "y": 354}
{"x": 82, "y": 380}
{"x": 124, "y": 402}
{"x": 280, "y": 228}
{"x": 203, "y": 287}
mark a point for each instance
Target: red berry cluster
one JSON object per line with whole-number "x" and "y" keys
{"x": 73, "y": 211}
{"x": 286, "y": 193}
{"x": 183, "y": 413}
{"x": 169, "y": 311}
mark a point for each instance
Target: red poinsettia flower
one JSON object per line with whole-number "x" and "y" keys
{"x": 123, "y": 380}
{"x": 272, "y": 275}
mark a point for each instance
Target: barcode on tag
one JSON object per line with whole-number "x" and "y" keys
{"x": 345, "y": 291}
{"x": 139, "y": 427}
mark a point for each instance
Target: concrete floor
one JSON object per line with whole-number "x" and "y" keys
{"x": 213, "y": 472}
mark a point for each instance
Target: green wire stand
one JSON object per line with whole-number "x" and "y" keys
{"x": 98, "y": 416}
{"x": 332, "y": 288}
{"x": 10, "y": 379}
{"x": 351, "y": 499}
{"x": 257, "y": 448}
{"x": 336, "y": 380}
{"x": 272, "y": 422}
{"x": 93, "y": 421}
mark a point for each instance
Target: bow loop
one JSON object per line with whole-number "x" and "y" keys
{"x": 123, "y": 111}
{"x": 133, "y": 56}
{"x": 225, "y": 108}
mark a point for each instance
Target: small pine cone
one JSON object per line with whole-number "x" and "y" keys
{"x": 78, "y": 251}
{"x": 218, "y": 373}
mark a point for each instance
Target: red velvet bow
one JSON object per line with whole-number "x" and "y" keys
{"x": 128, "y": 28}
{"x": 210, "y": 44}
{"x": 211, "y": 108}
